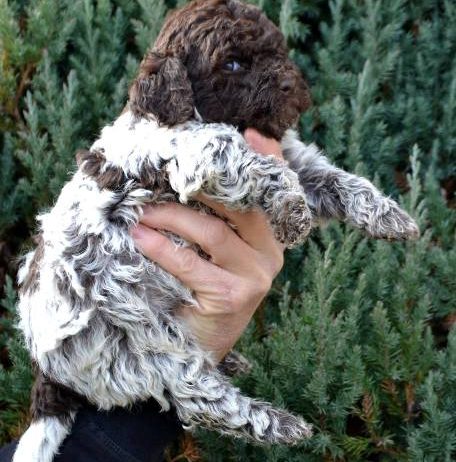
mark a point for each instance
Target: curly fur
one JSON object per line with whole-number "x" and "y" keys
{"x": 97, "y": 316}
{"x": 267, "y": 93}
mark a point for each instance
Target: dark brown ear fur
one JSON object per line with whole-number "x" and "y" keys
{"x": 162, "y": 89}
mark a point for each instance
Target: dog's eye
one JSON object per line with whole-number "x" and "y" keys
{"x": 232, "y": 66}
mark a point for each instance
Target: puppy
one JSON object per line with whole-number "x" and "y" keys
{"x": 98, "y": 317}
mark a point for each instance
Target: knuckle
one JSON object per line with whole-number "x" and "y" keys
{"x": 235, "y": 301}
{"x": 228, "y": 298}
{"x": 187, "y": 261}
{"x": 263, "y": 284}
{"x": 259, "y": 281}
{"x": 231, "y": 299}
{"x": 154, "y": 247}
{"x": 277, "y": 263}
{"x": 234, "y": 296}
{"x": 248, "y": 294}
{"x": 215, "y": 233}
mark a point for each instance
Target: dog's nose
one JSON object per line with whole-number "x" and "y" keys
{"x": 287, "y": 84}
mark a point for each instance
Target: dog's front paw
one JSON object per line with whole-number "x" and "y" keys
{"x": 388, "y": 221}
{"x": 293, "y": 219}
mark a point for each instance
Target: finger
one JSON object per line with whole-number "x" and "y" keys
{"x": 214, "y": 236}
{"x": 255, "y": 230}
{"x": 183, "y": 263}
{"x": 253, "y": 227}
{"x": 262, "y": 144}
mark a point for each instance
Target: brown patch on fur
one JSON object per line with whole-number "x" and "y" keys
{"x": 162, "y": 89}
{"x": 50, "y": 399}
{"x": 152, "y": 179}
{"x": 81, "y": 156}
{"x": 31, "y": 280}
{"x": 267, "y": 92}
{"x": 93, "y": 164}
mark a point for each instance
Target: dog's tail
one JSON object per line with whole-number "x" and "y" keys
{"x": 43, "y": 438}
{"x": 53, "y": 410}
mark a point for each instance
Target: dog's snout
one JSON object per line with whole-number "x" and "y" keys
{"x": 287, "y": 84}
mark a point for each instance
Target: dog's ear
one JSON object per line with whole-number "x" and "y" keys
{"x": 162, "y": 89}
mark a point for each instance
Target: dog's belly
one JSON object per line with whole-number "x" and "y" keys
{"x": 99, "y": 316}
{"x": 110, "y": 365}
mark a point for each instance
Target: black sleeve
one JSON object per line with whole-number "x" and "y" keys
{"x": 140, "y": 434}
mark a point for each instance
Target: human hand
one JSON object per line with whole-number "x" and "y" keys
{"x": 229, "y": 287}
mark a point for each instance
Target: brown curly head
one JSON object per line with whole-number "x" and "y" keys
{"x": 226, "y": 59}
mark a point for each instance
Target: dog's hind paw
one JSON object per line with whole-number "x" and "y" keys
{"x": 234, "y": 364}
{"x": 286, "y": 428}
{"x": 390, "y": 222}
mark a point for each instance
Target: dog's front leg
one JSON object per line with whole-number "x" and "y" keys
{"x": 227, "y": 171}
{"x": 333, "y": 193}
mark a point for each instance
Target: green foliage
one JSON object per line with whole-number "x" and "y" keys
{"x": 152, "y": 15}
{"x": 16, "y": 380}
{"x": 356, "y": 335}
{"x": 435, "y": 438}
{"x": 24, "y": 32}
{"x": 8, "y": 190}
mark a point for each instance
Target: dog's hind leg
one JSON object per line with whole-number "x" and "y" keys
{"x": 203, "y": 397}
{"x": 209, "y": 400}
{"x": 158, "y": 360}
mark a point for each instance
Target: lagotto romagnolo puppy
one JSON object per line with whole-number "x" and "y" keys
{"x": 98, "y": 317}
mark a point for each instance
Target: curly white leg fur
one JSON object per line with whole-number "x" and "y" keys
{"x": 41, "y": 441}
{"x": 214, "y": 403}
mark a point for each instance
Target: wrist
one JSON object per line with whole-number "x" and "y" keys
{"x": 213, "y": 333}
